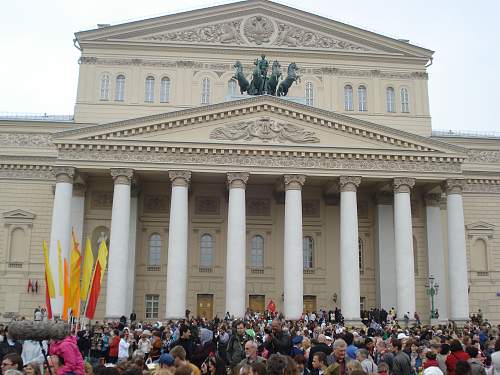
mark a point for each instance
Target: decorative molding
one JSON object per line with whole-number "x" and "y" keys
{"x": 122, "y": 176}
{"x": 482, "y": 186}
{"x": 101, "y": 200}
{"x": 264, "y": 130}
{"x": 237, "y": 179}
{"x": 63, "y": 174}
{"x": 311, "y": 208}
{"x": 179, "y": 178}
{"x": 481, "y": 156}
{"x": 258, "y": 207}
{"x": 432, "y": 200}
{"x": 26, "y": 139}
{"x": 24, "y": 171}
{"x": 258, "y": 29}
{"x": 207, "y": 205}
{"x": 454, "y": 186}
{"x": 156, "y": 203}
{"x": 403, "y": 184}
{"x": 294, "y": 181}
{"x": 349, "y": 183}
{"x": 18, "y": 216}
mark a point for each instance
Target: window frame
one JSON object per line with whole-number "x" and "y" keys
{"x": 405, "y": 99}
{"x": 149, "y": 89}
{"x": 362, "y": 98}
{"x": 155, "y": 250}
{"x": 309, "y": 93}
{"x": 165, "y": 89}
{"x": 309, "y": 255}
{"x": 254, "y": 252}
{"x": 206, "y": 258}
{"x": 206, "y": 87}
{"x": 120, "y": 88}
{"x": 348, "y": 98}
{"x": 150, "y": 300}
{"x": 104, "y": 85}
{"x": 390, "y": 98}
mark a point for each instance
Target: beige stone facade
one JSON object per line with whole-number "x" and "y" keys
{"x": 155, "y": 96}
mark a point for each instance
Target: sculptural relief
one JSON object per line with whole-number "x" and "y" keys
{"x": 258, "y": 29}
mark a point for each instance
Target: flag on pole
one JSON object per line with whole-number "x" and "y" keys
{"x": 47, "y": 297}
{"x": 60, "y": 268}
{"x": 88, "y": 263}
{"x": 95, "y": 290}
{"x": 50, "y": 290}
{"x": 75, "y": 264}
{"x": 66, "y": 305}
{"x": 30, "y": 286}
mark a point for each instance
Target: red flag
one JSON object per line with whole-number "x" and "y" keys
{"x": 47, "y": 298}
{"x": 95, "y": 286}
{"x": 36, "y": 286}
{"x": 29, "y": 285}
{"x": 271, "y": 306}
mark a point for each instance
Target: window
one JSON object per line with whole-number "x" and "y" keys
{"x": 105, "y": 87}
{"x": 231, "y": 87}
{"x": 405, "y": 103}
{"x": 362, "y": 303}
{"x": 18, "y": 246}
{"x": 205, "y": 91}
{"x": 120, "y": 88}
{"x": 150, "y": 90}
{"x": 206, "y": 250}
{"x": 361, "y": 256}
{"x": 415, "y": 255}
{"x": 479, "y": 256}
{"x": 165, "y": 90}
{"x": 390, "y": 100}
{"x": 154, "y": 257}
{"x": 348, "y": 98}
{"x": 257, "y": 252}
{"x": 309, "y": 94}
{"x": 152, "y": 304}
{"x": 308, "y": 251}
{"x": 362, "y": 98}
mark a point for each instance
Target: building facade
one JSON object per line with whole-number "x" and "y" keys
{"x": 338, "y": 195}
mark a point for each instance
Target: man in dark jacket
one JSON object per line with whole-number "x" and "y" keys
{"x": 185, "y": 341}
{"x": 401, "y": 364}
{"x": 235, "y": 347}
{"x": 277, "y": 341}
{"x": 319, "y": 347}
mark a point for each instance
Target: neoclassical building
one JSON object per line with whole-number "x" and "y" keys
{"x": 338, "y": 194}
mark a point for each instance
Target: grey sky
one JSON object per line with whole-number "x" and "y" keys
{"x": 39, "y": 70}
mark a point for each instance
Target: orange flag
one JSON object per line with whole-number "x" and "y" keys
{"x": 95, "y": 289}
{"x": 65, "y": 291}
{"x": 75, "y": 262}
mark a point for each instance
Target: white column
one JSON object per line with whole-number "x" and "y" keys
{"x": 61, "y": 228}
{"x": 236, "y": 249}
{"x": 403, "y": 243}
{"x": 118, "y": 262}
{"x": 131, "y": 254}
{"x": 385, "y": 252}
{"x": 457, "y": 256}
{"x": 177, "y": 267}
{"x": 78, "y": 212}
{"x": 435, "y": 252}
{"x": 349, "y": 250}
{"x": 293, "y": 266}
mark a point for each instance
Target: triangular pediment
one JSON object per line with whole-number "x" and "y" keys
{"x": 18, "y": 214}
{"x": 253, "y": 23}
{"x": 256, "y": 122}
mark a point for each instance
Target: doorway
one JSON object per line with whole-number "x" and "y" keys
{"x": 205, "y": 305}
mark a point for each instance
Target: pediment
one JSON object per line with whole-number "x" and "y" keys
{"x": 18, "y": 214}
{"x": 257, "y": 122}
{"x": 253, "y": 23}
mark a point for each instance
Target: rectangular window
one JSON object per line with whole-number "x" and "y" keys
{"x": 152, "y": 305}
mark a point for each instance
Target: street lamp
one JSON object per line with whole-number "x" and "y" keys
{"x": 432, "y": 288}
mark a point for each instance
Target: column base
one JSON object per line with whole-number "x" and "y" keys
{"x": 356, "y": 323}
{"x": 438, "y": 322}
{"x": 459, "y": 322}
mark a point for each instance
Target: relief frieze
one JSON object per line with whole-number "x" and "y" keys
{"x": 207, "y": 206}
{"x": 26, "y": 139}
{"x": 311, "y": 208}
{"x": 258, "y": 207}
{"x": 480, "y": 156}
{"x": 101, "y": 200}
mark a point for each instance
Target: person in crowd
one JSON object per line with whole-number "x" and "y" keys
{"x": 495, "y": 358}
{"x": 383, "y": 368}
{"x": 11, "y": 361}
{"x": 339, "y": 357}
{"x": 9, "y": 345}
{"x": 156, "y": 346}
{"x": 69, "y": 356}
{"x": 277, "y": 341}
{"x": 206, "y": 347}
{"x": 401, "y": 364}
{"x": 302, "y": 365}
{"x": 351, "y": 348}
{"x": 114, "y": 346}
{"x": 235, "y": 348}
{"x": 354, "y": 366}
{"x": 123, "y": 347}
{"x": 319, "y": 363}
{"x": 383, "y": 354}
{"x": 179, "y": 354}
{"x": 463, "y": 368}
{"x": 319, "y": 347}
{"x": 144, "y": 344}
{"x": 251, "y": 355}
{"x": 185, "y": 341}
{"x": 167, "y": 361}
{"x": 276, "y": 364}
{"x": 456, "y": 354}
{"x": 477, "y": 367}
{"x": 363, "y": 356}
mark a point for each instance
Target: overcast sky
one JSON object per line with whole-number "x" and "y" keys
{"x": 39, "y": 70}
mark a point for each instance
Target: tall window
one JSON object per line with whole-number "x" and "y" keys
{"x": 309, "y": 94}
{"x": 120, "y": 88}
{"x": 152, "y": 305}
{"x": 348, "y": 98}
{"x": 154, "y": 256}
{"x": 206, "y": 250}
{"x": 362, "y": 98}
{"x": 231, "y": 87}
{"x": 308, "y": 251}
{"x": 479, "y": 256}
{"x": 105, "y": 87}
{"x": 149, "y": 96}
{"x": 205, "y": 91}
{"x": 390, "y": 100}
{"x": 165, "y": 90}
{"x": 361, "y": 257}
{"x": 257, "y": 251}
{"x": 405, "y": 102}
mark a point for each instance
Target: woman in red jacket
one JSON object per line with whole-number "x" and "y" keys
{"x": 113, "y": 347}
{"x": 456, "y": 354}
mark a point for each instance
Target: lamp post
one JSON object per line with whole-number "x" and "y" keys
{"x": 432, "y": 288}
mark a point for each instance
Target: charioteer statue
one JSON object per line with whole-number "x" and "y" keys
{"x": 261, "y": 84}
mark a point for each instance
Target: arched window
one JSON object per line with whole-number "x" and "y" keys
{"x": 154, "y": 246}
{"x": 105, "y": 87}
{"x": 149, "y": 96}
{"x": 479, "y": 256}
{"x": 120, "y": 88}
{"x": 405, "y": 101}
{"x": 205, "y": 91}
{"x": 257, "y": 251}
{"x": 348, "y": 98}
{"x": 390, "y": 100}
{"x": 361, "y": 256}
{"x": 362, "y": 98}
{"x": 18, "y": 246}
{"x": 309, "y": 94}
{"x": 231, "y": 87}
{"x": 206, "y": 250}
{"x": 415, "y": 255}
{"x": 308, "y": 251}
{"x": 165, "y": 90}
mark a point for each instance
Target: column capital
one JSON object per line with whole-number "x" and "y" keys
{"x": 237, "y": 179}
{"x": 294, "y": 181}
{"x": 403, "y": 184}
{"x": 63, "y": 173}
{"x": 349, "y": 183}
{"x": 122, "y": 176}
{"x": 180, "y": 177}
{"x": 432, "y": 200}
{"x": 454, "y": 186}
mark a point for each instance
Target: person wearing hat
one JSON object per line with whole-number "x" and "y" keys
{"x": 297, "y": 346}
{"x": 167, "y": 361}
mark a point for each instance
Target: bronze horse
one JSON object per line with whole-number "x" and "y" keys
{"x": 291, "y": 77}
{"x": 272, "y": 82}
{"x": 240, "y": 77}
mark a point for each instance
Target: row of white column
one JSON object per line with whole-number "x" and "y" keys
{"x": 120, "y": 282}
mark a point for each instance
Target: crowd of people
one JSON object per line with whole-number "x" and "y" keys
{"x": 263, "y": 344}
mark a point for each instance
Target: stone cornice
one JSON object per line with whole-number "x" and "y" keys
{"x": 26, "y": 139}
{"x": 26, "y": 171}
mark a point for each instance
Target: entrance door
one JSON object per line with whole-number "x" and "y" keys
{"x": 205, "y": 306}
{"x": 309, "y": 304}
{"x": 256, "y": 302}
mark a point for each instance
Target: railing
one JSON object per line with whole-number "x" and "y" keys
{"x": 34, "y": 116}
{"x": 154, "y": 268}
{"x": 465, "y": 133}
{"x": 482, "y": 273}
{"x": 15, "y": 265}
{"x": 257, "y": 271}
{"x": 205, "y": 269}
{"x": 309, "y": 271}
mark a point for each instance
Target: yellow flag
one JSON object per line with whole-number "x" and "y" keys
{"x": 102, "y": 257}
{"x": 60, "y": 268}
{"x": 50, "y": 281}
{"x": 88, "y": 263}
{"x": 75, "y": 264}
